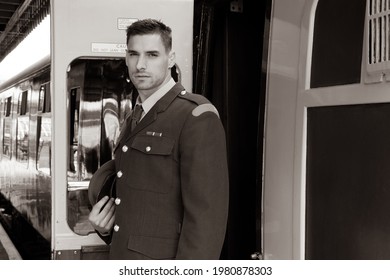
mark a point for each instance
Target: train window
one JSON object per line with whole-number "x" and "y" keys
{"x": 22, "y": 128}
{"x": 7, "y": 125}
{"x": 337, "y": 43}
{"x": 44, "y": 144}
{"x": 7, "y": 137}
{"x": 8, "y": 105}
{"x": 22, "y": 137}
{"x": 73, "y": 133}
{"x": 99, "y": 97}
{"x": 44, "y": 130}
{"x": 41, "y": 101}
{"x": 347, "y": 194}
{"x": 44, "y": 104}
{"x": 22, "y": 104}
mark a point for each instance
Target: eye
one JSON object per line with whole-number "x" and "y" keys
{"x": 152, "y": 54}
{"x": 131, "y": 53}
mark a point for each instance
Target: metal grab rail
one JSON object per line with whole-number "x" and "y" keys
{"x": 78, "y": 186}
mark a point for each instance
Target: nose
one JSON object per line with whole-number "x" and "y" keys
{"x": 141, "y": 63}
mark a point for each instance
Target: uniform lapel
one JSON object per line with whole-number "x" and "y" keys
{"x": 159, "y": 107}
{"x": 125, "y": 126}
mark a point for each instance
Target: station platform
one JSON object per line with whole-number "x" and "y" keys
{"x": 7, "y": 248}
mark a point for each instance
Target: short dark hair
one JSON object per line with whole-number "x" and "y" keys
{"x": 151, "y": 26}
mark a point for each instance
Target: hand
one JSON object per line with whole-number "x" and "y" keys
{"x": 102, "y": 219}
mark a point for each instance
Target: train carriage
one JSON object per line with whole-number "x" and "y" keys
{"x": 25, "y": 123}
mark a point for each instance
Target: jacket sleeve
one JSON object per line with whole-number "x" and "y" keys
{"x": 204, "y": 185}
{"x": 106, "y": 238}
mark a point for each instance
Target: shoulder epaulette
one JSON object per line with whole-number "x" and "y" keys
{"x": 195, "y": 98}
{"x": 204, "y": 105}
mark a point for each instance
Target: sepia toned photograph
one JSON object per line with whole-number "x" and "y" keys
{"x": 218, "y": 130}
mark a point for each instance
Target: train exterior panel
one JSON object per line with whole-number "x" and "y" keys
{"x": 326, "y": 148}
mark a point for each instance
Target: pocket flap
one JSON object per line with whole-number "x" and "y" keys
{"x": 153, "y": 145}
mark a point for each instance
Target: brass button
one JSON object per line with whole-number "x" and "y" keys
{"x": 125, "y": 149}
{"x": 182, "y": 92}
{"x": 148, "y": 149}
{"x": 116, "y": 228}
{"x": 119, "y": 174}
{"x": 117, "y": 201}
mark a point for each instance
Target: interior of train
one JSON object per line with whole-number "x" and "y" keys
{"x": 230, "y": 69}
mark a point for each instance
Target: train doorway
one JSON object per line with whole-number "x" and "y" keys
{"x": 228, "y": 44}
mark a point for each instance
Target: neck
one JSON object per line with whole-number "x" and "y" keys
{"x": 144, "y": 94}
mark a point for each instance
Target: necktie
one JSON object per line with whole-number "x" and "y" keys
{"x": 136, "y": 116}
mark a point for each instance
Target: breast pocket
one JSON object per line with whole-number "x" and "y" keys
{"x": 152, "y": 167}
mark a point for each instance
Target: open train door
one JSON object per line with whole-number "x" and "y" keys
{"x": 327, "y": 139}
{"x": 90, "y": 96}
{"x": 227, "y": 70}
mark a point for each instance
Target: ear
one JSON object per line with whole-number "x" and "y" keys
{"x": 172, "y": 59}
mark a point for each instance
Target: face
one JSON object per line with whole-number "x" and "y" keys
{"x": 148, "y": 63}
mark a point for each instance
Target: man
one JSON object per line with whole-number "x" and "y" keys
{"x": 172, "y": 178}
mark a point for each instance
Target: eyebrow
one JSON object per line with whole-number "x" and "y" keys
{"x": 148, "y": 52}
{"x": 153, "y": 52}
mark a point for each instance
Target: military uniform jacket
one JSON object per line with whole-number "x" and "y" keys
{"x": 172, "y": 182}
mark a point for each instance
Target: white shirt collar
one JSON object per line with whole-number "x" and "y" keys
{"x": 156, "y": 96}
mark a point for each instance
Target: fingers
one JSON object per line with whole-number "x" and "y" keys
{"x": 96, "y": 208}
{"x": 102, "y": 219}
{"x": 107, "y": 215}
{"x": 111, "y": 221}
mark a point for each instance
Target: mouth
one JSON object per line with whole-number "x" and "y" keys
{"x": 141, "y": 76}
